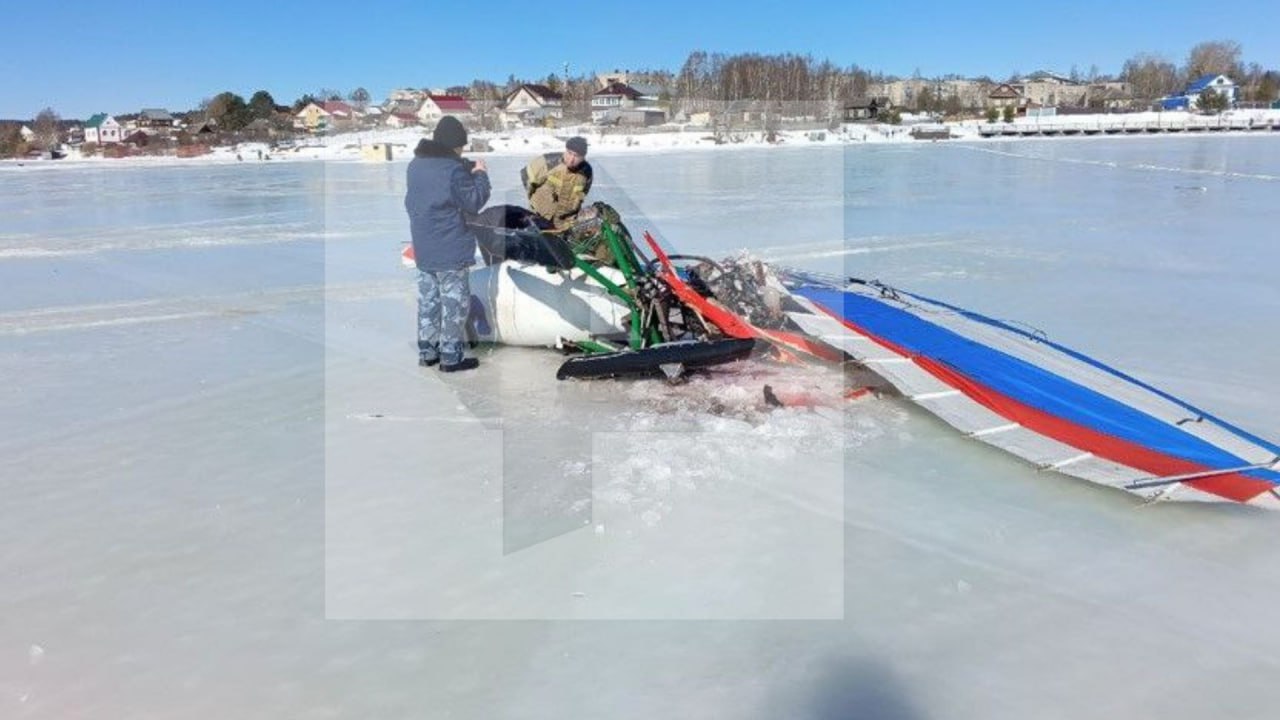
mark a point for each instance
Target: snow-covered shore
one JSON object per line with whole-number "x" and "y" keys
{"x": 352, "y": 146}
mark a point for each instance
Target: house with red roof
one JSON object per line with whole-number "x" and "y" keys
{"x": 435, "y": 107}
{"x": 342, "y": 116}
{"x": 339, "y": 109}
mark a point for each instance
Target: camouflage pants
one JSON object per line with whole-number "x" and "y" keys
{"x": 443, "y": 300}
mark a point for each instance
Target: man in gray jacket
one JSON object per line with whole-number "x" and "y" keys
{"x": 442, "y": 189}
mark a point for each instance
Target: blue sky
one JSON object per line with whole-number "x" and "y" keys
{"x": 81, "y": 57}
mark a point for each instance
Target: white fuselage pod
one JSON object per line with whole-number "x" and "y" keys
{"x": 533, "y": 306}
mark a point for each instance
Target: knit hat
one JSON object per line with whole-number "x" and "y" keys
{"x": 450, "y": 133}
{"x": 578, "y": 144}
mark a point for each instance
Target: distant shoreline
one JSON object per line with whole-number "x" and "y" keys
{"x": 353, "y": 146}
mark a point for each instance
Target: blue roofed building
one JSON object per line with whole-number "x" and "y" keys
{"x": 1219, "y": 83}
{"x": 1190, "y": 98}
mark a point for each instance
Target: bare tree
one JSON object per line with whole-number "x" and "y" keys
{"x": 485, "y": 98}
{"x": 1216, "y": 57}
{"x": 577, "y": 92}
{"x": 691, "y": 84}
{"x": 45, "y": 128}
{"x": 1150, "y": 76}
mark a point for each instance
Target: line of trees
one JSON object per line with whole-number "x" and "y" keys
{"x": 231, "y": 112}
{"x": 717, "y": 77}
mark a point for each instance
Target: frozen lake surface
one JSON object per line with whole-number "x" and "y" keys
{"x": 230, "y": 492}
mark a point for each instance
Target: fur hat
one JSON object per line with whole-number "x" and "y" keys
{"x": 450, "y": 133}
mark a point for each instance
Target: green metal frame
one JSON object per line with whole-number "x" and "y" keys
{"x": 629, "y": 264}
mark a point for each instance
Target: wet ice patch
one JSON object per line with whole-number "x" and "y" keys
{"x": 717, "y": 430}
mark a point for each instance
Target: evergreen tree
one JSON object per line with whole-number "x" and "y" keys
{"x": 229, "y": 110}
{"x": 1268, "y": 87}
{"x": 303, "y": 101}
{"x": 1213, "y": 102}
{"x": 262, "y": 105}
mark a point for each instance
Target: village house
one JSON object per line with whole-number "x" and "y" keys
{"x": 1047, "y": 89}
{"x": 1190, "y": 97}
{"x": 312, "y": 118}
{"x": 102, "y": 129}
{"x": 651, "y": 96}
{"x": 611, "y": 98}
{"x": 532, "y": 104}
{"x": 436, "y": 106}
{"x": 203, "y": 130}
{"x": 865, "y": 109}
{"x": 342, "y": 116}
{"x": 138, "y": 139}
{"x": 155, "y": 118}
{"x": 329, "y": 115}
{"x": 1005, "y": 95}
{"x": 624, "y": 104}
{"x": 650, "y": 92}
{"x": 1110, "y": 96}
